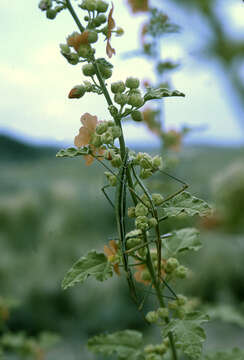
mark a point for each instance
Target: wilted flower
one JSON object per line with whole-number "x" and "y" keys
{"x": 111, "y": 25}
{"x": 111, "y": 252}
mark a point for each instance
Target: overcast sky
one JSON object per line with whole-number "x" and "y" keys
{"x": 35, "y": 78}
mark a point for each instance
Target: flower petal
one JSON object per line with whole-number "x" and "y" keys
{"x": 111, "y": 25}
{"x": 89, "y": 122}
{"x": 82, "y": 138}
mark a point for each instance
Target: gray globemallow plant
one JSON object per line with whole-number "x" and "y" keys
{"x": 141, "y": 251}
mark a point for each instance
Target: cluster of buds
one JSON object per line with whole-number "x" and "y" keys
{"x": 128, "y": 93}
{"x": 155, "y": 352}
{"x": 174, "y": 270}
{"x": 51, "y": 11}
{"x": 148, "y": 164}
{"x": 105, "y": 134}
{"x": 89, "y": 70}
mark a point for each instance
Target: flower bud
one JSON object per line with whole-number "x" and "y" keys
{"x": 141, "y": 223}
{"x": 102, "y": 6}
{"x": 145, "y": 200}
{"x": 135, "y": 100}
{"x": 44, "y": 4}
{"x": 83, "y": 5}
{"x": 107, "y": 138}
{"x": 100, "y": 19}
{"x": 141, "y": 210}
{"x": 117, "y": 87}
{"x": 92, "y": 37}
{"x": 64, "y": 49}
{"x": 152, "y": 356}
{"x": 136, "y": 115}
{"x": 91, "y": 5}
{"x": 133, "y": 233}
{"x": 120, "y": 99}
{"x": 113, "y": 110}
{"x": 88, "y": 70}
{"x": 142, "y": 252}
{"x": 105, "y": 71}
{"x": 84, "y": 50}
{"x": 73, "y": 59}
{"x": 96, "y": 140}
{"x": 116, "y": 161}
{"x": 77, "y": 92}
{"x": 102, "y": 127}
{"x": 171, "y": 264}
{"x": 133, "y": 242}
{"x": 163, "y": 312}
{"x": 88, "y": 86}
{"x": 145, "y": 173}
{"x": 145, "y": 275}
{"x": 131, "y": 212}
{"x": 149, "y": 348}
{"x": 146, "y": 161}
{"x": 111, "y": 178}
{"x": 160, "y": 349}
{"x": 180, "y": 272}
{"x": 119, "y": 31}
{"x": 172, "y": 305}
{"x": 157, "y": 162}
{"x": 180, "y": 313}
{"x": 152, "y": 316}
{"x": 115, "y": 131}
{"x": 152, "y": 222}
{"x": 132, "y": 83}
{"x": 157, "y": 199}
{"x": 51, "y": 14}
{"x": 181, "y": 299}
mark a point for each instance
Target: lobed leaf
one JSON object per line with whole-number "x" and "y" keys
{"x": 125, "y": 344}
{"x": 93, "y": 264}
{"x": 188, "y": 333}
{"x": 187, "y": 204}
{"x": 72, "y": 152}
{"x": 234, "y": 354}
{"x": 181, "y": 241}
{"x": 159, "y": 93}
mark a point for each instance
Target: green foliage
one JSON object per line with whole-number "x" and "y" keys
{"x": 234, "y": 354}
{"x": 159, "y": 93}
{"x": 71, "y": 152}
{"x": 125, "y": 344}
{"x": 93, "y": 264}
{"x": 185, "y": 203}
{"x": 225, "y": 313}
{"x": 188, "y": 333}
{"x": 181, "y": 241}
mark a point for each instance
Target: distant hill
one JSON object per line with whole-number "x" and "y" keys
{"x": 12, "y": 149}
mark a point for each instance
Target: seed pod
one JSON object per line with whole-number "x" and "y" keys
{"x": 92, "y": 37}
{"x": 157, "y": 199}
{"x": 99, "y": 20}
{"x": 171, "y": 265}
{"x": 84, "y": 50}
{"x": 73, "y": 58}
{"x": 141, "y": 210}
{"x": 120, "y": 99}
{"x": 152, "y": 316}
{"x": 91, "y": 5}
{"x": 135, "y": 100}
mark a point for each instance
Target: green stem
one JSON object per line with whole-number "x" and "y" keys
{"x": 75, "y": 17}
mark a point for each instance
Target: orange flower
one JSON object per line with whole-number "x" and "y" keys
{"x": 138, "y": 5}
{"x": 77, "y": 39}
{"x": 149, "y": 117}
{"x": 111, "y": 25}
{"x": 111, "y": 252}
{"x": 84, "y": 137}
{"x": 172, "y": 140}
{"x": 139, "y": 275}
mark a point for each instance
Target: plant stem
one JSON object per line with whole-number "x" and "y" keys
{"x": 75, "y": 17}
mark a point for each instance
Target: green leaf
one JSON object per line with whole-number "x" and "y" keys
{"x": 188, "y": 333}
{"x": 93, "y": 264}
{"x": 234, "y": 354}
{"x": 181, "y": 241}
{"x": 226, "y": 313}
{"x": 159, "y": 93}
{"x": 125, "y": 344}
{"x": 185, "y": 203}
{"x": 104, "y": 62}
{"x": 72, "y": 152}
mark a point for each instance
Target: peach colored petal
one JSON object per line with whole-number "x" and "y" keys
{"x": 77, "y": 39}
{"x": 113, "y": 246}
{"x": 107, "y": 251}
{"x": 89, "y": 121}
{"x": 82, "y": 138}
{"x": 89, "y": 159}
{"x": 116, "y": 268}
